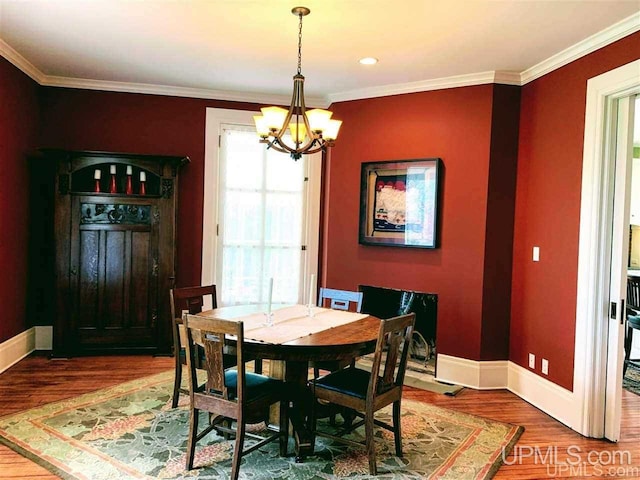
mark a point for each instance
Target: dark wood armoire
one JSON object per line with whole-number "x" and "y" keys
{"x": 115, "y": 251}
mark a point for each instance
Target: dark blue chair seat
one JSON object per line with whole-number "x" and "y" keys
{"x": 256, "y": 385}
{"x": 350, "y": 381}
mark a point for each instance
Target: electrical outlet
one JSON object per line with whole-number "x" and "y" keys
{"x": 532, "y": 361}
{"x": 545, "y": 366}
{"x": 536, "y": 254}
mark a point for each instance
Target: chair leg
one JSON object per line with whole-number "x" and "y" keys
{"x": 370, "y": 443}
{"x": 237, "y": 451}
{"x": 177, "y": 381}
{"x": 284, "y": 427}
{"x": 193, "y": 433}
{"x": 627, "y": 349}
{"x": 397, "y": 428}
{"x": 257, "y": 365}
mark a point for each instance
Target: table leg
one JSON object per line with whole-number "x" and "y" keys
{"x": 296, "y": 377}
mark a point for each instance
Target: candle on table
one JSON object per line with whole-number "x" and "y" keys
{"x": 270, "y": 295}
{"x": 129, "y": 170}
{"x": 97, "y": 174}
{"x": 112, "y": 169}
{"x": 312, "y": 287}
{"x": 143, "y": 177}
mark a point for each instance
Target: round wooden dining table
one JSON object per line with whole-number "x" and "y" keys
{"x": 289, "y": 360}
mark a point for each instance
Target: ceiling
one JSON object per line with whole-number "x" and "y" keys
{"x": 244, "y": 49}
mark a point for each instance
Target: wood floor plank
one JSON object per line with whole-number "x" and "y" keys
{"x": 38, "y": 380}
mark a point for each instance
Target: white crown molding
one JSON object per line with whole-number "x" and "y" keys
{"x": 146, "y": 88}
{"x": 482, "y": 78}
{"x": 8, "y": 52}
{"x": 601, "y": 39}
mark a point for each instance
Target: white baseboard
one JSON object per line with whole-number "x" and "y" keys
{"x": 552, "y": 399}
{"x": 470, "y": 373}
{"x": 16, "y": 348}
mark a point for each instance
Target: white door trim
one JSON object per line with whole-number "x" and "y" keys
{"x": 594, "y": 245}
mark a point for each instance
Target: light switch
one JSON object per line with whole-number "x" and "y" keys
{"x": 536, "y": 254}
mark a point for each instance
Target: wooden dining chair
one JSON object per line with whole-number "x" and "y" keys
{"x": 338, "y": 300}
{"x": 190, "y": 300}
{"x": 367, "y": 392}
{"x": 633, "y": 319}
{"x": 230, "y": 394}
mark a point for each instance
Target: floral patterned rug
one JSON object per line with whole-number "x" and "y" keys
{"x": 130, "y": 431}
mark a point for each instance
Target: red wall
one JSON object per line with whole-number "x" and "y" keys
{"x": 455, "y": 125}
{"x": 147, "y": 124}
{"x": 18, "y": 132}
{"x": 552, "y": 114}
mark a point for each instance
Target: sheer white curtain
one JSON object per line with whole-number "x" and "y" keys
{"x": 261, "y": 220}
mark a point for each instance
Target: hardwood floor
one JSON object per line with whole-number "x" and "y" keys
{"x": 37, "y": 380}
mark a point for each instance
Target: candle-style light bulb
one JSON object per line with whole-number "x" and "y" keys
{"x": 129, "y": 185}
{"x": 143, "y": 181}
{"x": 112, "y": 184}
{"x": 97, "y": 174}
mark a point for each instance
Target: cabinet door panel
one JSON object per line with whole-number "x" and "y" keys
{"x": 141, "y": 269}
{"x": 88, "y": 272}
{"x": 115, "y": 275}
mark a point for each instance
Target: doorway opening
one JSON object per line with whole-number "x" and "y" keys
{"x": 602, "y": 267}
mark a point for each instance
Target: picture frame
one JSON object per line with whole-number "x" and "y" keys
{"x": 399, "y": 203}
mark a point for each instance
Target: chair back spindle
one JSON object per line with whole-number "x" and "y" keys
{"x": 633, "y": 292}
{"x": 394, "y": 338}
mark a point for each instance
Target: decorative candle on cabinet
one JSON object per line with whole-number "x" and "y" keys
{"x": 112, "y": 169}
{"x": 143, "y": 177}
{"x": 97, "y": 174}
{"x": 129, "y": 170}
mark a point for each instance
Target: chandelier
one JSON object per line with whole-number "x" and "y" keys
{"x": 297, "y": 131}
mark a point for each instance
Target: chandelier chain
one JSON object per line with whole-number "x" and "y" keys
{"x": 300, "y": 44}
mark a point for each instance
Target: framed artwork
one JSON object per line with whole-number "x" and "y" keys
{"x": 399, "y": 203}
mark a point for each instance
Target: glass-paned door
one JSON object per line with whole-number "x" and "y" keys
{"x": 261, "y": 220}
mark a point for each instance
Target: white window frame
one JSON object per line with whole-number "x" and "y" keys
{"x": 215, "y": 119}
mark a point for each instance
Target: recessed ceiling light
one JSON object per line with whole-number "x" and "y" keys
{"x": 368, "y": 61}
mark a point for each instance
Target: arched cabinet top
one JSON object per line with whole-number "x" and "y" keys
{"x": 108, "y": 173}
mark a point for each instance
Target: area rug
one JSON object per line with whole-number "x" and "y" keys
{"x": 631, "y": 380}
{"x": 130, "y": 431}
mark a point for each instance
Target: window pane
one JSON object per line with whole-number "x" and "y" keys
{"x": 244, "y": 160}
{"x": 262, "y": 196}
{"x": 283, "y": 222}
{"x": 243, "y": 218}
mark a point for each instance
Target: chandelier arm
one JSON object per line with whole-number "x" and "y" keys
{"x": 276, "y": 147}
